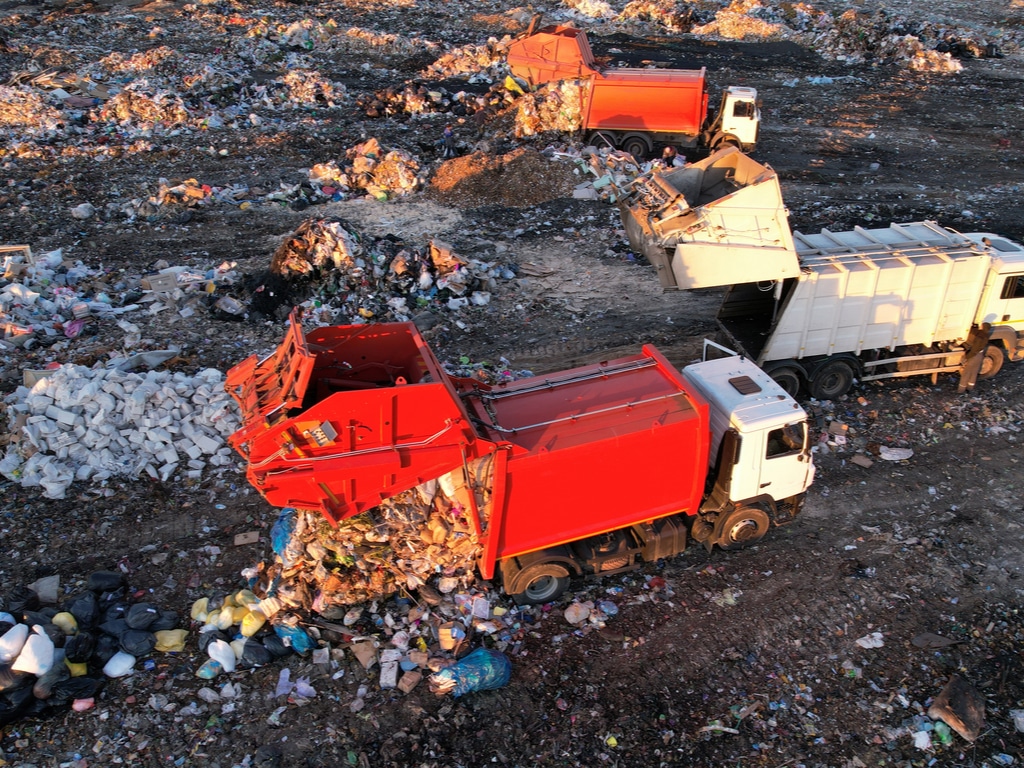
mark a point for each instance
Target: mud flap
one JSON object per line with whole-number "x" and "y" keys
{"x": 704, "y": 532}
{"x": 977, "y": 341}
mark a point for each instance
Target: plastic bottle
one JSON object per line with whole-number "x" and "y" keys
{"x": 119, "y": 665}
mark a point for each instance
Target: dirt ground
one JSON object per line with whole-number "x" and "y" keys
{"x": 742, "y": 659}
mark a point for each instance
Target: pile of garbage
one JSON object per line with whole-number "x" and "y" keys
{"x": 77, "y": 423}
{"x": 50, "y": 302}
{"x": 426, "y": 537}
{"x": 356, "y": 281}
{"x": 554, "y": 106}
{"x": 54, "y": 657}
{"x": 856, "y": 37}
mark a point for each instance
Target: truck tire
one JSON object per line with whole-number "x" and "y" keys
{"x": 602, "y": 140}
{"x": 637, "y": 146}
{"x": 787, "y": 378}
{"x": 832, "y": 380}
{"x": 992, "y": 363}
{"x": 541, "y": 583}
{"x": 742, "y": 527}
{"x": 724, "y": 140}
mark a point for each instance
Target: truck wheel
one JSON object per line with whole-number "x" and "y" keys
{"x": 832, "y": 380}
{"x": 788, "y": 379}
{"x": 637, "y": 147}
{"x": 992, "y": 363}
{"x": 541, "y": 583}
{"x": 602, "y": 140}
{"x": 742, "y": 527}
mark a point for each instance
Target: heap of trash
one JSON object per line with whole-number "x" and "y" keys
{"x": 355, "y": 280}
{"x": 87, "y": 424}
{"x": 56, "y": 655}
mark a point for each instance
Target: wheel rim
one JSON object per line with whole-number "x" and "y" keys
{"x": 542, "y": 587}
{"x": 834, "y": 380}
{"x": 743, "y": 531}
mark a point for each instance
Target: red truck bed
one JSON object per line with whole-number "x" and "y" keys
{"x": 347, "y": 416}
{"x": 592, "y": 449}
{"x": 656, "y": 100}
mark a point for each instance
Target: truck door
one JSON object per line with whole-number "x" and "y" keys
{"x": 786, "y": 469}
{"x": 1008, "y": 309}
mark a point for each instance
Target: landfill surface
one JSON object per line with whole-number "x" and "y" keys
{"x": 176, "y": 177}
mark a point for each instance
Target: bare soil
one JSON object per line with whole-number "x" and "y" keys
{"x": 746, "y": 658}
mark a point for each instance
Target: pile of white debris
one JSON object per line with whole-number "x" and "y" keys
{"x": 91, "y": 425}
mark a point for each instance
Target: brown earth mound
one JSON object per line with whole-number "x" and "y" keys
{"x": 519, "y": 178}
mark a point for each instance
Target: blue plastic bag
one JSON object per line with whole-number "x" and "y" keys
{"x": 482, "y": 670}
{"x": 285, "y": 537}
{"x": 294, "y": 638}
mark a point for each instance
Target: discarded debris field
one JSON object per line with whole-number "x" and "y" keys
{"x": 177, "y": 177}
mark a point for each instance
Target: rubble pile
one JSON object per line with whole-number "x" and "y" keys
{"x": 481, "y": 63}
{"x": 856, "y": 37}
{"x": 737, "y": 22}
{"x": 26, "y": 110}
{"x": 423, "y": 536}
{"x": 84, "y": 424}
{"x": 666, "y": 13}
{"x": 144, "y": 106}
{"x": 56, "y": 655}
{"x": 357, "y": 281}
{"x": 552, "y": 107}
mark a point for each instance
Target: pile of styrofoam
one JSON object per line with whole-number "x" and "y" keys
{"x": 89, "y": 424}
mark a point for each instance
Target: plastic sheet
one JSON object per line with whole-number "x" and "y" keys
{"x": 481, "y": 670}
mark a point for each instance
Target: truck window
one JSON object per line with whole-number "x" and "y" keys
{"x": 743, "y": 109}
{"x": 1013, "y": 288}
{"x": 785, "y": 440}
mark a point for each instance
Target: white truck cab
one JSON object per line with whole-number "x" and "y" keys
{"x": 739, "y": 118}
{"x": 774, "y": 456}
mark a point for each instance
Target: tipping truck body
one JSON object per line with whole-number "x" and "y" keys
{"x": 589, "y": 470}
{"x": 819, "y": 311}
{"x": 634, "y": 109}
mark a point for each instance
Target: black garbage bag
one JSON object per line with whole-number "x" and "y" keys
{"x": 16, "y": 704}
{"x": 11, "y": 680}
{"x": 21, "y": 599}
{"x": 73, "y": 688}
{"x": 55, "y": 633}
{"x": 86, "y": 610}
{"x": 114, "y": 627}
{"x": 205, "y": 638}
{"x": 33, "y": 617}
{"x": 38, "y": 617}
{"x": 254, "y": 654}
{"x": 138, "y": 642}
{"x": 106, "y": 599}
{"x": 43, "y": 686}
{"x": 104, "y": 581}
{"x": 79, "y": 648}
{"x": 115, "y": 609}
{"x": 142, "y": 615}
{"x": 166, "y": 620}
{"x": 275, "y": 645}
{"x": 106, "y": 647}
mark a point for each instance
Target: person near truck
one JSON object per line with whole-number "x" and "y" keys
{"x": 670, "y": 158}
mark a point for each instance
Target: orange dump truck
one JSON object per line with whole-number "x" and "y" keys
{"x": 591, "y": 470}
{"x": 634, "y": 109}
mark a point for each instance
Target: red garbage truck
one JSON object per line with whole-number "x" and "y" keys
{"x": 592, "y": 470}
{"x": 633, "y": 109}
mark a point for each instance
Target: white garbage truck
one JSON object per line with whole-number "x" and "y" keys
{"x": 820, "y": 311}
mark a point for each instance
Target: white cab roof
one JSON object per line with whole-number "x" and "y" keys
{"x": 736, "y": 386}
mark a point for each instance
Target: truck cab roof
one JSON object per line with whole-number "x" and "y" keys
{"x": 1007, "y": 256}
{"x": 736, "y": 386}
